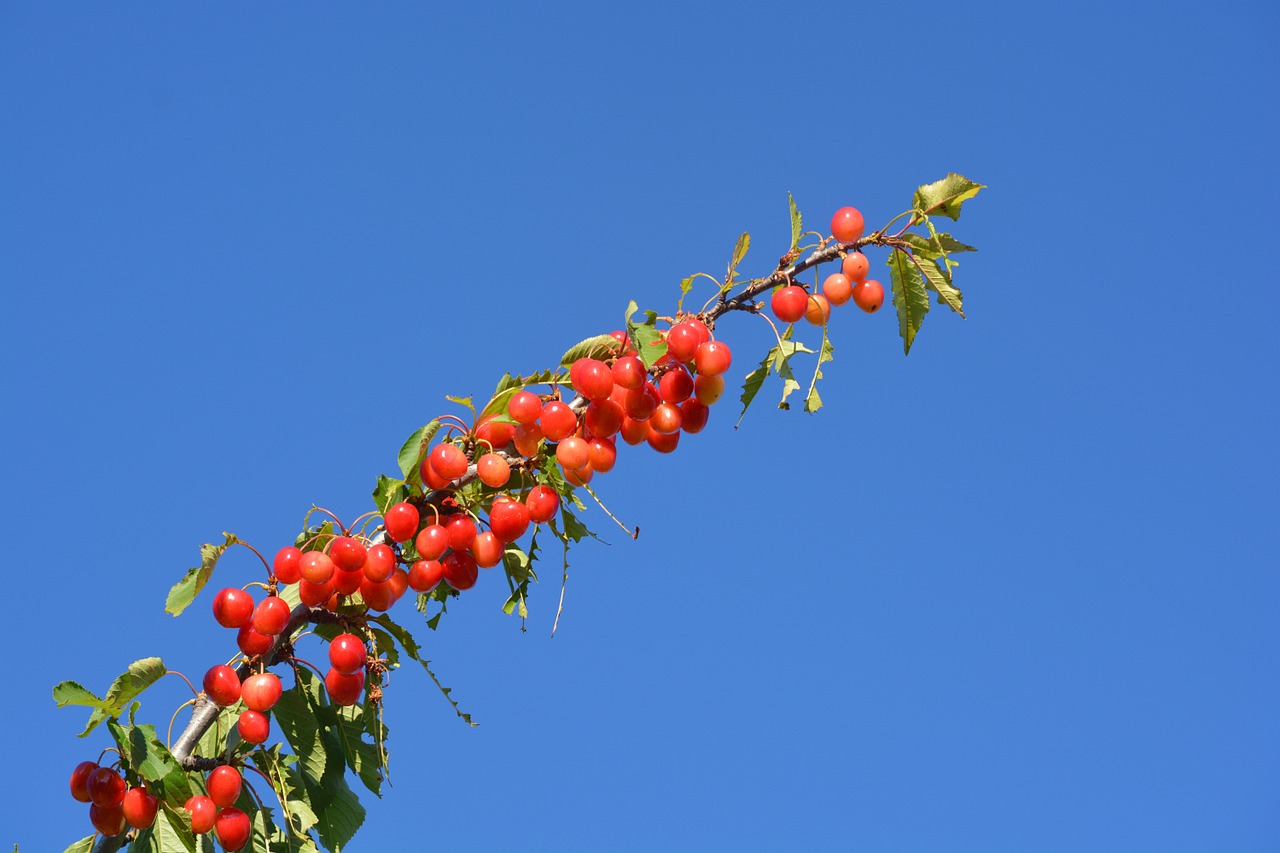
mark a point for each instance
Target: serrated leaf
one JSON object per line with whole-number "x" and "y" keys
{"x": 140, "y": 675}
{"x": 751, "y": 386}
{"x": 387, "y": 492}
{"x": 84, "y": 845}
{"x": 686, "y": 284}
{"x": 72, "y": 693}
{"x": 826, "y": 352}
{"x": 946, "y": 196}
{"x": 185, "y": 590}
{"x": 937, "y": 280}
{"x": 927, "y": 247}
{"x": 362, "y": 757}
{"x": 143, "y": 753}
{"x": 169, "y": 834}
{"x": 647, "y": 339}
{"x": 414, "y": 449}
{"x": 411, "y": 648}
{"x": 297, "y": 722}
{"x": 598, "y": 346}
{"x": 797, "y": 228}
{"x": 780, "y": 363}
{"x": 289, "y": 787}
{"x": 739, "y": 252}
{"x": 462, "y": 401}
{"x": 573, "y": 527}
{"x": 518, "y": 567}
{"x": 910, "y": 297}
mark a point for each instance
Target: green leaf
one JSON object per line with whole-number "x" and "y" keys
{"x": 414, "y": 449}
{"x": 780, "y": 363}
{"x": 946, "y": 196}
{"x": 573, "y": 528}
{"x": 289, "y": 787}
{"x": 364, "y": 758}
{"x": 84, "y": 845}
{"x": 411, "y": 648}
{"x": 686, "y": 284}
{"x": 387, "y": 492}
{"x": 140, "y": 675}
{"x": 910, "y": 296}
{"x": 599, "y": 346}
{"x": 299, "y": 725}
{"x": 647, "y": 339}
{"x": 462, "y": 401}
{"x": 71, "y": 693}
{"x": 739, "y": 252}
{"x": 939, "y": 281}
{"x": 185, "y": 590}
{"x": 143, "y": 753}
{"x": 751, "y": 386}
{"x": 826, "y": 352}
{"x": 797, "y": 227}
{"x": 927, "y": 247}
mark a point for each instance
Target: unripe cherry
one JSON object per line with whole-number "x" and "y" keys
{"x": 432, "y": 542}
{"x": 286, "y": 565}
{"x": 663, "y": 443}
{"x": 224, "y": 784}
{"x": 461, "y": 531}
{"x": 558, "y": 421}
{"x": 788, "y": 303}
{"x": 344, "y": 689}
{"x": 80, "y": 780}
{"x": 543, "y": 503}
{"x": 818, "y": 311}
{"x": 603, "y": 418}
{"x": 203, "y": 811}
{"x": 262, "y": 691}
{"x": 573, "y": 453}
{"x": 401, "y": 521}
{"x": 271, "y": 615}
{"x": 106, "y": 787}
{"x": 380, "y": 563}
{"x": 508, "y": 519}
{"x": 675, "y": 386}
{"x": 316, "y": 567}
{"x": 232, "y": 828}
{"x": 712, "y": 358}
{"x": 869, "y": 295}
{"x": 347, "y": 554}
{"x": 666, "y": 419}
{"x": 493, "y": 470}
{"x": 707, "y": 389}
{"x": 854, "y": 266}
{"x": 254, "y": 726}
{"x": 253, "y": 642}
{"x": 424, "y": 575}
{"x": 847, "y": 225}
{"x": 524, "y": 407}
{"x": 629, "y": 372}
{"x": 633, "y": 432}
{"x": 837, "y": 288}
{"x": 139, "y": 807}
{"x": 232, "y": 607}
{"x": 604, "y": 453}
{"x": 222, "y": 685}
{"x": 347, "y": 654}
{"x": 487, "y": 549}
{"x": 448, "y": 461}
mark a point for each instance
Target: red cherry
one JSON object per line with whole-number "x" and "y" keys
{"x": 347, "y": 654}
{"x": 580, "y": 477}
{"x": 223, "y": 784}
{"x": 788, "y": 303}
{"x": 286, "y": 565}
{"x": 869, "y": 295}
{"x": 139, "y": 807}
{"x": 558, "y": 421}
{"x": 315, "y": 594}
{"x": 232, "y": 607}
{"x": 202, "y": 811}
{"x": 399, "y": 582}
{"x": 109, "y": 820}
{"x": 629, "y": 372}
{"x": 847, "y": 225}
{"x": 432, "y": 480}
{"x": 401, "y": 522}
{"x": 493, "y": 470}
{"x": 316, "y": 567}
{"x": 254, "y": 726}
{"x": 603, "y": 418}
{"x": 675, "y": 386}
{"x": 461, "y": 531}
{"x": 543, "y": 504}
{"x": 459, "y": 570}
{"x": 524, "y": 407}
{"x": 594, "y": 379}
{"x": 346, "y": 583}
{"x": 712, "y": 358}
{"x": 604, "y": 453}
{"x": 682, "y": 342}
{"x": 487, "y": 549}
{"x": 573, "y": 453}
{"x": 380, "y": 563}
{"x": 693, "y": 416}
{"x": 621, "y": 337}
{"x": 424, "y": 575}
{"x": 527, "y": 439}
{"x": 272, "y": 615}
{"x": 232, "y": 828}
{"x": 633, "y": 431}
{"x": 666, "y": 419}
{"x": 854, "y": 266}
{"x": 377, "y": 596}
{"x": 818, "y": 311}
{"x": 707, "y": 389}
{"x": 641, "y": 402}
{"x": 344, "y": 689}
{"x": 495, "y": 434}
{"x": 432, "y": 542}
{"x": 80, "y": 780}
{"x": 700, "y": 328}
{"x": 448, "y": 461}
{"x": 837, "y": 288}
{"x": 253, "y": 642}
{"x": 262, "y": 691}
{"x": 347, "y": 554}
{"x": 222, "y": 685}
{"x": 663, "y": 443}
{"x": 508, "y": 519}
{"x": 105, "y": 787}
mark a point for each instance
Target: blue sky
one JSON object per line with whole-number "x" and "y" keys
{"x": 1018, "y": 591}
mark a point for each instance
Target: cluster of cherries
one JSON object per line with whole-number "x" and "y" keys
{"x": 792, "y": 303}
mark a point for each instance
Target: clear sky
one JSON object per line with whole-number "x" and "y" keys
{"x": 1019, "y": 591}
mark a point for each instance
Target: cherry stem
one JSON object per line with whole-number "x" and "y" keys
{"x": 259, "y": 553}
{"x": 168, "y": 738}
{"x": 194, "y": 692}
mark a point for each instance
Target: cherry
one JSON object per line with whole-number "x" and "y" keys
{"x": 493, "y": 470}
{"x": 641, "y": 402}
{"x": 80, "y": 780}
{"x": 788, "y": 303}
{"x": 543, "y": 504}
{"x": 675, "y": 386}
{"x": 558, "y": 420}
{"x": 105, "y": 787}
{"x": 315, "y": 594}
{"x": 344, "y": 689}
{"x": 347, "y": 654}
{"x": 345, "y": 583}
{"x": 633, "y": 431}
{"x": 869, "y": 295}
{"x": 682, "y": 342}
{"x": 524, "y": 407}
{"x": 854, "y": 266}
{"x": 604, "y": 453}
{"x": 495, "y": 434}
{"x": 109, "y": 820}
{"x": 459, "y": 570}
{"x": 432, "y": 542}
{"x": 316, "y": 567}
{"x": 253, "y": 643}
{"x": 509, "y": 519}
{"x": 847, "y": 225}
{"x": 429, "y": 476}
{"x": 666, "y": 419}
{"x": 448, "y": 461}
{"x": 527, "y": 439}
{"x": 629, "y": 372}
{"x": 139, "y": 807}
{"x": 262, "y": 691}
{"x": 377, "y": 596}
{"x": 580, "y": 477}
{"x": 573, "y": 453}
{"x": 707, "y": 389}
{"x": 232, "y": 607}
{"x": 818, "y": 310}
{"x": 401, "y": 522}
{"x": 399, "y": 582}
{"x": 700, "y": 328}
{"x": 202, "y": 811}
{"x": 424, "y": 575}
{"x": 621, "y": 337}
{"x": 594, "y": 379}
{"x": 603, "y": 418}
{"x": 222, "y": 685}
{"x": 837, "y": 288}
{"x": 712, "y": 358}
{"x": 232, "y": 828}
{"x": 461, "y": 531}
{"x": 663, "y": 443}
{"x": 347, "y": 554}
{"x": 487, "y": 549}
{"x": 223, "y": 784}
{"x": 693, "y": 416}
{"x": 254, "y": 726}
{"x": 380, "y": 563}
{"x": 272, "y": 615}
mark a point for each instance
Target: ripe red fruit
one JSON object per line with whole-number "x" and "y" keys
{"x": 527, "y": 439}
{"x": 487, "y": 549}
{"x": 223, "y": 784}
{"x": 232, "y": 607}
{"x": 675, "y": 386}
{"x": 818, "y": 310}
{"x": 592, "y": 379}
{"x": 837, "y": 288}
{"x": 105, "y": 787}
{"x": 682, "y": 342}
{"x": 461, "y": 530}
{"x": 663, "y": 443}
{"x": 222, "y": 685}
{"x": 254, "y": 726}
{"x": 603, "y": 418}
{"x": 448, "y": 461}
{"x": 495, "y": 434}
{"x": 641, "y": 402}
{"x": 700, "y": 328}
{"x": 508, "y": 519}
{"x": 604, "y": 453}
{"x": 693, "y": 416}
{"x": 399, "y": 582}
{"x": 380, "y": 563}
{"x": 139, "y": 807}
{"x": 401, "y": 522}
{"x": 629, "y": 372}
{"x": 253, "y": 642}
{"x": 580, "y": 477}
{"x": 315, "y": 594}
{"x": 524, "y": 407}
{"x": 847, "y": 225}
{"x": 424, "y": 575}
{"x": 712, "y": 358}
{"x": 347, "y": 554}
{"x": 707, "y": 389}
{"x": 316, "y": 567}
{"x": 558, "y": 420}
{"x": 347, "y": 582}
{"x": 202, "y": 811}
{"x": 788, "y": 303}
{"x": 493, "y": 470}
{"x": 543, "y": 504}
{"x": 109, "y": 820}
{"x": 261, "y": 692}
{"x": 232, "y": 828}
{"x": 854, "y": 266}
{"x": 666, "y": 419}
{"x": 869, "y": 295}
{"x": 344, "y": 689}
{"x": 285, "y": 566}
{"x": 347, "y": 654}
{"x": 573, "y": 453}
{"x": 377, "y": 596}
{"x": 272, "y": 615}
{"x": 459, "y": 570}
{"x": 633, "y": 431}
{"x": 429, "y": 476}
{"x": 80, "y": 780}
{"x": 432, "y": 542}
